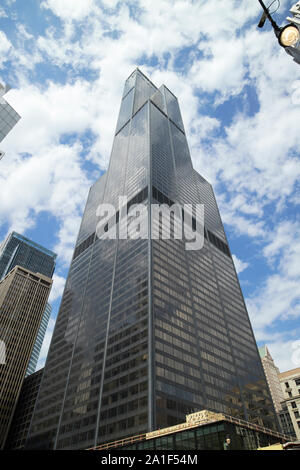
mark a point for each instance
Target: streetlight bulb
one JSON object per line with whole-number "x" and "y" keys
{"x": 289, "y": 36}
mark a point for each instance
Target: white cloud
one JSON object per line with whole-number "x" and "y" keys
{"x": 277, "y": 300}
{"x": 224, "y": 70}
{"x": 5, "y": 48}
{"x": 69, "y": 9}
{"x": 46, "y": 344}
{"x": 57, "y": 288}
{"x": 51, "y": 180}
{"x": 240, "y": 265}
{"x": 49, "y": 113}
{"x": 274, "y": 300}
{"x": 2, "y": 13}
{"x": 50, "y": 177}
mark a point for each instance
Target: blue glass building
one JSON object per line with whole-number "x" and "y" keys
{"x": 17, "y": 250}
{"x": 8, "y": 116}
{"x": 39, "y": 341}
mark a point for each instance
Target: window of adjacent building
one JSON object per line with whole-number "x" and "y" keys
{"x": 297, "y": 415}
{"x": 287, "y": 384}
{"x": 294, "y": 404}
{"x": 297, "y": 381}
{"x": 290, "y": 394}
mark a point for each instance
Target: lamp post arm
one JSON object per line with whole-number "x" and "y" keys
{"x": 268, "y": 15}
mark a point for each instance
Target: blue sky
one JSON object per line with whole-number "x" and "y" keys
{"x": 67, "y": 61}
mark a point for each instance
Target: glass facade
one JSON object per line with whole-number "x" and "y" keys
{"x": 18, "y": 250}
{"x": 8, "y": 116}
{"x": 148, "y": 331}
{"x": 39, "y": 341}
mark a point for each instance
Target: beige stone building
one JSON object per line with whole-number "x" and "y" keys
{"x": 290, "y": 384}
{"x": 282, "y": 399}
{"x": 271, "y": 372}
{"x": 23, "y": 297}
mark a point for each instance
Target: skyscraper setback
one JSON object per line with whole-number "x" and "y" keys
{"x": 148, "y": 331}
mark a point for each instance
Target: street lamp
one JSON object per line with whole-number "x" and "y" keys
{"x": 289, "y": 35}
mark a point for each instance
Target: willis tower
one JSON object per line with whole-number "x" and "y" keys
{"x": 147, "y": 330}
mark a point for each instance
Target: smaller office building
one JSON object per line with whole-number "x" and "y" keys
{"x": 23, "y": 297}
{"x": 203, "y": 430}
{"x": 290, "y": 383}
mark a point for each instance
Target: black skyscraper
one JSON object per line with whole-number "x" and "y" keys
{"x": 148, "y": 331}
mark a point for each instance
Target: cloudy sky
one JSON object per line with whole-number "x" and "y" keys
{"x": 239, "y": 93}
